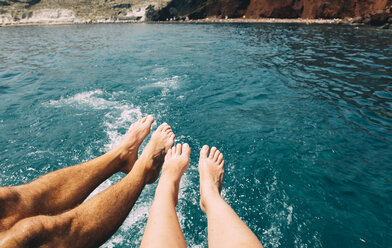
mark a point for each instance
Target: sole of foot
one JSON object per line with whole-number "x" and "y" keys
{"x": 176, "y": 162}
{"x": 132, "y": 141}
{"x": 211, "y": 169}
{"x": 161, "y": 141}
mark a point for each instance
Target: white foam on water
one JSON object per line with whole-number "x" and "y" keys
{"x": 166, "y": 84}
{"x": 139, "y": 213}
{"x": 37, "y": 152}
{"x": 184, "y": 184}
{"x": 114, "y": 241}
{"x": 84, "y": 99}
{"x": 278, "y": 209}
{"x": 298, "y": 242}
{"x": 106, "y": 184}
{"x": 290, "y": 215}
{"x": 114, "y": 121}
{"x": 120, "y": 116}
{"x": 159, "y": 70}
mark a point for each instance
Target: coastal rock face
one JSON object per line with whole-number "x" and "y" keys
{"x": 40, "y": 16}
{"x": 372, "y": 12}
{"x": 74, "y": 11}
{"x": 197, "y": 9}
{"x": 314, "y": 9}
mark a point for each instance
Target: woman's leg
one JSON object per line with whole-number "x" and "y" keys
{"x": 163, "y": 228}
{"x": 63, "y": 189}
{"x": 225, "y": 228}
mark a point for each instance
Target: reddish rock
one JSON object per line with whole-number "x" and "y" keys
{"x": 374, "y": 12}
{"x": 379, "y": 18}
{"x": 315, "y": 8}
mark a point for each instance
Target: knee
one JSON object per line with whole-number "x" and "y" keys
{"x": 25, "y": 233}
{"x": 8, "y": 197}
{"x": 33, "y": 225}
{"x": 37, "y": 231}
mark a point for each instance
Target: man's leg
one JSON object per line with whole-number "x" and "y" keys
{"x": 225, "y": 228}
{"x": 63, "y": 189}
{"x": 94, "y": 221}
{"x": 163, "y": 228}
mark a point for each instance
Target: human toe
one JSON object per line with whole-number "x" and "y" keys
{"x": 169, "y": 153}
{"x": 166, "y": 129}
{"x": 178, "y": 149}
{"x": 149, "y": 119}
{"x": 216, "y": 155}
{"x": 220, "y": 158}
{"x": 162, "y": 126}
{"x": 186, "y": 149}
{"x": 212, "y": 152}
{"x": 204, "y": 151}
{"x": 142, "y": 120}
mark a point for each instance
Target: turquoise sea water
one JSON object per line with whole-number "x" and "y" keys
{"x": 303, "y": 115}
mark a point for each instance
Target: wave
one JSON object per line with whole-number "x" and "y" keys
{"x": 84, "y": 99}
{"x": 116, "y": 121}
{"x": 120, "y": 116}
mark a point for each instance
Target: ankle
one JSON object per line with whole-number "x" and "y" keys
{"x": 209, "y": 188}
{"x": 122, "y": 151}
{"x": 169, "y": 178}
{"x": 209, "y": 202}
{"x": 141, "y": 171}
{"x": 209, "y": 197}
{"x": 168, "y": 187}
{"x": 145, "y": 159}
{"x": 118, "y": 158}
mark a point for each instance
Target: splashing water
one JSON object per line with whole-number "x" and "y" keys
{"x": 302, "y": 114}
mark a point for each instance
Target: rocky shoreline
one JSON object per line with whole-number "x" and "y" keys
{"x": 348, "y": 21}
{"x": 47, "y": 12}
{"x": 64, "y": 21}
{"x": 65, "y": 16}
{"x": 381, "y": 18}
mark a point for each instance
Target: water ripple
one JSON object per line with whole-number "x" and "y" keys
{"x": 302, "y": 113}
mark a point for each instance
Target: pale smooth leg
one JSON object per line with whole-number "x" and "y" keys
{"x": 163, "y": 228}
{"x": 94, "y": 221}
{"x": 225, "y": 228}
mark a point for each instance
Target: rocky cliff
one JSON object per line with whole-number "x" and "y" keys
{"x": 315, "y": 9}
{"x": 74, "y": 11}
{"x": 375, "y": 12}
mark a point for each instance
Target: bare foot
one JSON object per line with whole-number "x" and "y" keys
{"x": 176, "y": 162}
{"x": 161, "y": 141}
{"x": 211, "y": 174}
{"x": 132, "y": 140}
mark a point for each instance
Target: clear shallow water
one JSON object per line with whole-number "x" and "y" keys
{"x": 303, "y": 115}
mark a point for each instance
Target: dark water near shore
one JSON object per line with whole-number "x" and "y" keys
{"x": 303, "y": 115}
